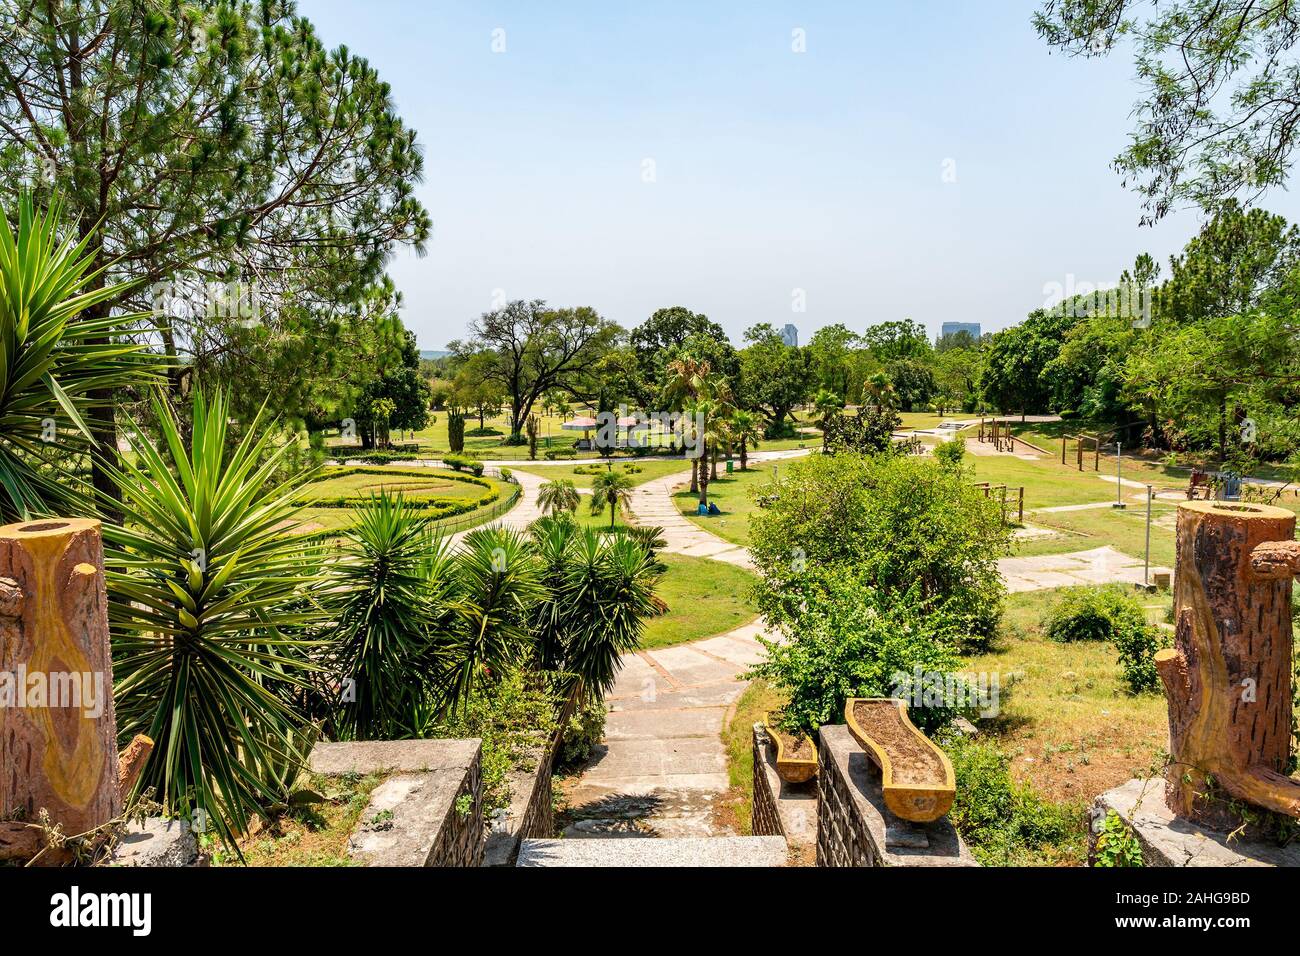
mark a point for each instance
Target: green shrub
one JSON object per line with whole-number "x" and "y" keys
{"x": 901, "y": 524}
{"x": 1113, "y": 614}
{"x": 506, "y": 474}
{"x": 1117, "y": 845}
{"x": 456, "y": 432}
{"x": 1006, "y": 823}
{"x": 952, "y": 453}
{"x": 848, "y": 639}
{"x": 1093, "y": 614}
{"x": 585, "y": 729}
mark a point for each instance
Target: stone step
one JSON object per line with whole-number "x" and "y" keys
{"x": 687, "y": 851}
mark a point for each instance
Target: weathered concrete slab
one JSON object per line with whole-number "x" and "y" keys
{"x": 404, "y": 756}
{"x": 1170, "y": 841}
{"x": 404, "y": 817}
{"x": 687, "y": 666}
{"x": 656, "y": 756}
{"x": 716, "y": 851}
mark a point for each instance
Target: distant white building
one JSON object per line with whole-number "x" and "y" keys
{"x": 790, "y": 335}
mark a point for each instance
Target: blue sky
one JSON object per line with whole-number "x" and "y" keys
{"x": 772, "y": 171}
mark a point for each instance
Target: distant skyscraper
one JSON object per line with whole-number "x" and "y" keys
{"x": 952, "y": 328}
{"x": 791, "y": 336}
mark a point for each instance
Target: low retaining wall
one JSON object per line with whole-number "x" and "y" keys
{"x": 854, "y": 827}
{"x": 429, "y": 812}
{"x": 782, "y": 809}
{"x": 530, "y": 816}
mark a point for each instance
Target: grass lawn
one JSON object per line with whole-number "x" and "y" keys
{"x": 1047, "y": 483}
{"x": 731, "y": 493}
{"x": 314, "y": 835}
{"x": 704, "y": 598}
{"x": 1071, "y": 726}
{"x": 736, "y": 806}
{"x": 646, "y": 471}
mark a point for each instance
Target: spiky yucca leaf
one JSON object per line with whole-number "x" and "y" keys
{"x": 54, "y": 367}
{"x": 206, "y": 582}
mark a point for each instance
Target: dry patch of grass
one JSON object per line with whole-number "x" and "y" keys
{"x": 735, "y": 808}
{"x": 1071, "y": 726}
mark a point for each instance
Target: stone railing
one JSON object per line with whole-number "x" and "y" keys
{"x": 854, "y": 827}
{"x": 782, "y": 809}
{"x": 428, "y": 812}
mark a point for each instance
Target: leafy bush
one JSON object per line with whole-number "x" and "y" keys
{"x": 1006, "y": 823}
{"x": 849, "y": 639}
{"x": 1110, "y": 613}
{"x": 1117, "y": 845}
{"x": 902, "y": 524}
{"x": 869, "y": 432}
{"x": 585, "y": 729}
{"x": 1093, "y": 614}
{"x": 951, "y": 453}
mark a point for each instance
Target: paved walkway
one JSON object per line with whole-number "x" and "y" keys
{"x": 519, "y": 517}
{"x": 1098, "y": 566}
{"x": 662, "y": 765}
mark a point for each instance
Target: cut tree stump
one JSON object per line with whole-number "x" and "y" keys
{"x": 1228, "y": 677}
{"x": 58, "y": 734}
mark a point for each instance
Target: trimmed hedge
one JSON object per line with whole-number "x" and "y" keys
{"x": 463, "y": 463}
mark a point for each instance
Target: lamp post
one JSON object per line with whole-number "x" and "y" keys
{"x": 1119, "y": 479}
{"x": 1146, "y": 566}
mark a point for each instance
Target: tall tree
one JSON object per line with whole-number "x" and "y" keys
{"x": 891, "y": 341}
{"x": 535, "y": 349}
{"x": 775, "y": 376}
{"x": 216, "y": 141}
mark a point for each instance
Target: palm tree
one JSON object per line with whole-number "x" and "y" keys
{"x": 600, "y": 592}
{"x": 559, "y": 495}
{"x": 206, "y": 584}
{"x": 827, "y": 404}
{"x": 881, "y": 390}
{"x": 54, "y": 365}
{"x": 612, "y": 489}
{"x": 747, "y": 430}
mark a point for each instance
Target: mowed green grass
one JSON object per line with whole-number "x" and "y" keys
{"x": 704, "y": 598}
{"x": 1049, "y": 484}
{"x": 645, "y": 471}
{"x": 732, "y": 494}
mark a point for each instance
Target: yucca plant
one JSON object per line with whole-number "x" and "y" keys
{"x": 559, "y": 495}
{"x": 600, "y": 591}
{"x": 389, "y": 598}
{"x": 209, "y": 602}
{"x": 53, "y": 365}
{"x": 497, "y": 582}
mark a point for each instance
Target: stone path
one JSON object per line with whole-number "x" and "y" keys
{"x": 519, "y": 517}
{"x": 1098, "y": 566}
{"x": 662, "y": 766}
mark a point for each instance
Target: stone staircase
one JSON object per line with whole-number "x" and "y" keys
{"x": 682, "y": 851}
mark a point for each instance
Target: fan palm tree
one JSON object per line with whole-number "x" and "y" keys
{"x": 827, "y": 404}
{"x": 54, "y": 366}
{"x": 559, "y": 495}
{"x": 747, "y": 431}
{"x": 881, "y": 390}
{"x": 206, "y": 579}
{"x": 610, "y": 489}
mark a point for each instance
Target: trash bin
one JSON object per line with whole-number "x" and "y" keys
{"x": 728, "y": 466}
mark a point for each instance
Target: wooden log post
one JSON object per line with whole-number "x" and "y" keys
{"x": 58, "y": 732}
{"x": 1228, "y": 677}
